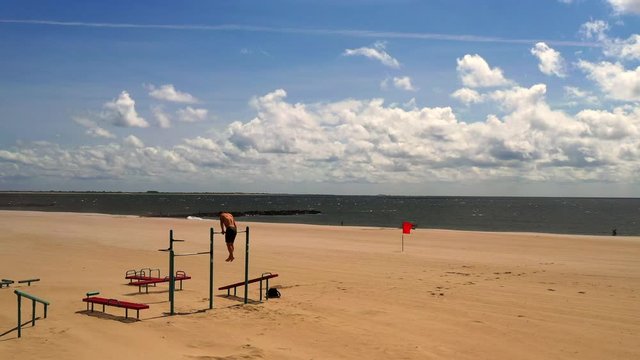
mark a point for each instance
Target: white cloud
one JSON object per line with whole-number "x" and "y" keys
{"x": 93, "y": 129}
{"x": 551, "y": 62}
{"x": 169, "y": 93}
{"x": 519, "y": 97}
{"x": 122, "y": 112}
{"x": 623, "y": 49}
{"x": 467, "y": 96}
{"x": 575, "y": 93}
{"x": 399, "y": 82}
{"x": 190, "y": 114}
{"x": 475, "y": 72}
{"x": 133, "y": 141}
{"x": 366, "y": 141}
{"x": 625, "y": 6}
{"x": 614, "y": 80}
{"x": 628, "y": 49}
{"x": 595, "y": 29}
{"x": 378, "y": 52}
{"x": 403, "y": 83}
{"x": 162, "y": 118}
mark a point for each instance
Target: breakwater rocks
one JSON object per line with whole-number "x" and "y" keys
{"x": 242, "y": 213}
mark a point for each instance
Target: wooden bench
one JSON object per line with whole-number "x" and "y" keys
{"x": 117, "y": 303}
{"x": 263, "y": 277}
{"x": 28, "y": 281}
{"x": 5, "y": 282}
{"x": 180, "y": 275}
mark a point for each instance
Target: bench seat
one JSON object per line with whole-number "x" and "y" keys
{"x": 116, "y": 303}
{"x": 264, "y": 277}
{"x": 180, "y": 275}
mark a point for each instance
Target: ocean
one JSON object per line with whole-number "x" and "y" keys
{"x": 589, "y": 216}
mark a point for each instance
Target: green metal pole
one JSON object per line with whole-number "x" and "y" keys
{"x": 33, "y": 313}
{"x": 211, "y": 268}
{"x": 246, "y": 268}
{"x": 172, "y": 286}
{"x": 19, "y": 312}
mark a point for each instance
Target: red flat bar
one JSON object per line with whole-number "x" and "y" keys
{"x": 158, "y": 280}
{"x": 138, "y": 277}
{"x": 250, "y": 281}
{"x": 116, "y": 303}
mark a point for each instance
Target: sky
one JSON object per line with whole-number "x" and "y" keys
{"x": 440, "y": 97}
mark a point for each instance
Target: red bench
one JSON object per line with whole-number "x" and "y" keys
{"x": 117, "y": 303}
{"x": 180, "y": 275}
{"x": 143, "y": 274}
{"x": 264, "y": 277}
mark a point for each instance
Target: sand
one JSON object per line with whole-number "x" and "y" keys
{"x": 347, "y": 292}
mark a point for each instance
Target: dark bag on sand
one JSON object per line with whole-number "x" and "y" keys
{"x": 273, "y": 293}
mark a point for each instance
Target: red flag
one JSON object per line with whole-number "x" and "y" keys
{"x": 406, "y": 227}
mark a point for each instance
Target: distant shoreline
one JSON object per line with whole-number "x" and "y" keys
{"x": 153, "y": 192}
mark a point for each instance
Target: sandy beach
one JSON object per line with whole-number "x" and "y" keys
{"x": 347, "y": 292}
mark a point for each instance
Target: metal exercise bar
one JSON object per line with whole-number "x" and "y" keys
{"x": 246, "y": 267}
{"x": 33, "y": 299}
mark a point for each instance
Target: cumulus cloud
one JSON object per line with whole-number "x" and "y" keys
{"x": 169, "y": 93}
{"x": 595, "y": 29}
{"x": 614, "y": 80}
{"x": 162, "y": 118}
{"x": 467, "y": 96}
{"x": 93, "y": 129}
{"x": 551, "y": 62}
{"x": 625, "y": 6}
{"x": 577, "y": 94}
{"x": 377, "y": 52}
{"x": 403, "y": 83}
{"x": 133, "y": 141}
{"x": 190, "y": 114}
{"x": 368, "y": 141}
{"x": 399, "y": 82}
{"x": 122, "y": 112}
{"x": 623, "y": 49}
{"x": 475, "y": 72}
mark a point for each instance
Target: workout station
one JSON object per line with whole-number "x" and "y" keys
{"x": 145, "y": 278}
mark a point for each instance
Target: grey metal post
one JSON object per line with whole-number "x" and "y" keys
{"x": 172, "y": 286}
{"x": 211, "y": 268}
{"x": 19, "y": 312}
{"x": 246, "y": 267}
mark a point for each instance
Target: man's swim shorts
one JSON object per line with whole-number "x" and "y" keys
{"x": 230, "y": 235}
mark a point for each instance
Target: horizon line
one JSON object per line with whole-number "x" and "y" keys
{"x": 309, "y": 31}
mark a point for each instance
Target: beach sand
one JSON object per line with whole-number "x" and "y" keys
{"x": 347, "y": 292}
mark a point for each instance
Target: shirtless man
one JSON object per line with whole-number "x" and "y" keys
{"x": 229, "y": 230}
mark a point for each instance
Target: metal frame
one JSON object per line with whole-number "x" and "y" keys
{"x": 33, "y": 299}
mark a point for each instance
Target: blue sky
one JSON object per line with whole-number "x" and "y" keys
{"x": 535, "y": 98}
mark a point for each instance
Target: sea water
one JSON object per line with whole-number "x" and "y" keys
{"x": 596, "y": 216}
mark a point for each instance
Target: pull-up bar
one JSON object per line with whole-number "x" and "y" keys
{"x": 172, "y": 255}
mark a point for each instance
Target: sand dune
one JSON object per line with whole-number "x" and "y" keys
{"x": 347, "y": 292}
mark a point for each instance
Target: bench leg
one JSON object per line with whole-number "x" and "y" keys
{"x": 265, "y": 294}
{"x": 102, "y": 307}
{"x": 126, "y": 313}
{"x": 260, "y": 290}
{"x": 138, "y": 314}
